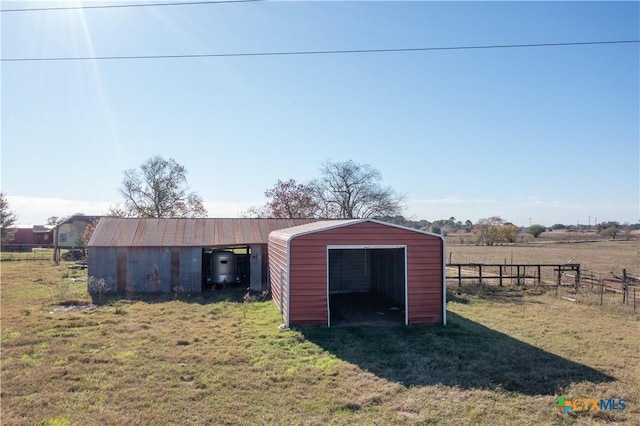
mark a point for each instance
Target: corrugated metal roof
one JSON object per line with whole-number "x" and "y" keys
{"x": 309, "y": 228}
{"x": 133, "y": 232}
{"x": 322, "y": 225}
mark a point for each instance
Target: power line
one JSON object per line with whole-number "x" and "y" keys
{"x": 317, "y": 52}
{"x": 110, "y": 6}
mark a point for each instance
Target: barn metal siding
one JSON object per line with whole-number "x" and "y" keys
{"x": 147, "y": 270}
{"x": 103, "y": 264}
{"x": 190, "y": 276}
{"x": 307, "y": 266}
{"x": 165, "y": 255}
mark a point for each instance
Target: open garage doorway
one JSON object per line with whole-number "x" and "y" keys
{"x": 367, "y": 285}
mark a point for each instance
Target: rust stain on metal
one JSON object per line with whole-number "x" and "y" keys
{"x": 135, "y": 232}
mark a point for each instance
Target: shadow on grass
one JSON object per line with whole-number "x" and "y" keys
{"x": 463, "y": 354}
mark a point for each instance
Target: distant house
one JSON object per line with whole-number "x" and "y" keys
{"x": 69, "y": 233}
{"x": 27, "y": 237}
{"x": 43, "y": 235}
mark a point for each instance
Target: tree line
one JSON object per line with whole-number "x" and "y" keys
{"x": 342, "y": 190}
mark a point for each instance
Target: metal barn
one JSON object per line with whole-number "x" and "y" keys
{"x": 318, "y": 266}
{"x": 136, "y": 255}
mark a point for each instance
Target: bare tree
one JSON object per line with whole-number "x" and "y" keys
{"x": 159, "y": 189}
{"x": 288, "y": 199}
{"x": 291, "y": 199}
{"x": 117, "y": 211}
{"x": 256, "y": 212}
{"x": 88, "y": 231}
{"x": 7, "y": 220}
{"x": 351, "y": 190}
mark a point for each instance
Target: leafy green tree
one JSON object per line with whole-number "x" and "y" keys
{"x": 508, "y": 233}
{"x": 159, "y": 189}
{"x": 610, "y": 231}
{"x": 486, "y": 230}
{"x": 403, "y": 221}
{"x": 7, "y": 220}
{"x": 536, "y": 230}
{"x": 468, "y": 225}
{"x": 495, "y": 230}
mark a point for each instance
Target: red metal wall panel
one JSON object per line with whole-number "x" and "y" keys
{"x": 278, "y": 273}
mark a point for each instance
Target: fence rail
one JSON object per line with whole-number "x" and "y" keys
{"x": 500, "y": 272}
{"x": 589, "y": 283}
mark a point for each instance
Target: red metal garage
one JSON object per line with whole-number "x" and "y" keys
{"x": 311, "y": 265}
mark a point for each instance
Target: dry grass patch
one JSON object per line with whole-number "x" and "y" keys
{"x": 214, "y": 359}
{"x": 601, "y": 256}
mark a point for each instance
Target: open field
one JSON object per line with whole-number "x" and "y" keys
{"x": 602, "y": 256}
{"x": 557, "y": 236}
{"x": 219, "y": 358}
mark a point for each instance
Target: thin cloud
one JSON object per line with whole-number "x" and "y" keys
{"x": 36, "y": 210}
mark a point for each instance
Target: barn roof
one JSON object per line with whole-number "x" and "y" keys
{"x": 135, "y": 232}
{"x": 323, "y": 225}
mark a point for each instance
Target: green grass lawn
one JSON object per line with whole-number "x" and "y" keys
{"x": 503, "y": 359}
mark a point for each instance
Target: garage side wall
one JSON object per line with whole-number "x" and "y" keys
{"x": 308, "y": 270}
{"x": 425, "y": 259}
{"x": 278, "y": 275}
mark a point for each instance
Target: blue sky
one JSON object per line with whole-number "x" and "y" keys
{"x": 547, "y": 133}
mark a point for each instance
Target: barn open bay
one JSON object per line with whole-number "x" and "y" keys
{"x": 220, "y": 358}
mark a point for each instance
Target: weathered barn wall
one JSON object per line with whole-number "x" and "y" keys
{"x": 147, "y": 269}
{"x": 165, "y": 255}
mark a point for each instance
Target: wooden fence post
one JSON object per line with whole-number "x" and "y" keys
{"x": 480, "y": 273}
{"x": 459, "y": 276}
{"x": 559, "y": 278}
{"x": 625, "y": 287}
{"x": 500, "y": 268}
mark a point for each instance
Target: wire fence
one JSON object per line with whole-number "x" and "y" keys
{"x": 619, "y": 291}
{"x": 27, "y": 255}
